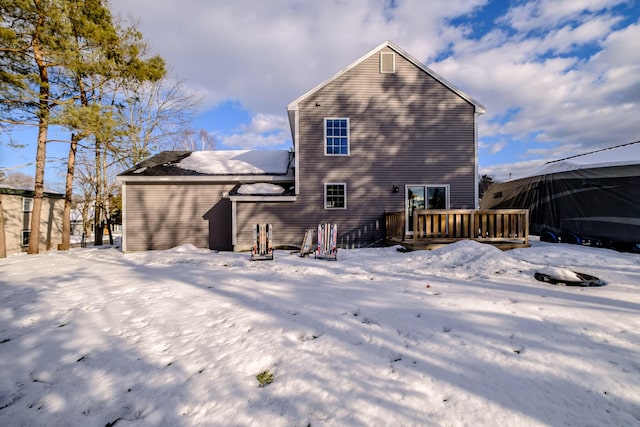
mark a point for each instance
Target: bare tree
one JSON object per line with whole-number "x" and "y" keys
{"x": 19, "y": 180}
{"x": 188, "y": 141}
{"x": 154, "y": 114}
{"x": 486, "y": 181}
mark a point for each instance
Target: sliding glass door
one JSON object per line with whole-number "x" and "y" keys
{"x": 424, "y": 196}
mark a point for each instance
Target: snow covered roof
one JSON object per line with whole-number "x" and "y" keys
{"x": 621, "y": 155}
{"x": 263, "y": 191}
{"x": 261, "y": 188}
{"x": 207, "y": 164}
{"x": 237, "y": 162}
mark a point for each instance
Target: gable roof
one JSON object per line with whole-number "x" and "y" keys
{"x": 209, "y": 165}
{"x": 29, "y": 193}
{"x": 478, "y": 107}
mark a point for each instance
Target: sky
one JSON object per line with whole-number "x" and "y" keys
{"x": 463, "y": 335}
{"x": 557, "y": 77}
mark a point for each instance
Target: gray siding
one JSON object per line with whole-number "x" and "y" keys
{"x": 405, "y": 128}
{"x": 162, "y": 216}
{"x": 290, "y": 220}
{"x": 15, "y": 220}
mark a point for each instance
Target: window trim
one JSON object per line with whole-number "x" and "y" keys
{"x": 27, "y": 204}
{"x": 326, "y": 184}
{"x": 392, "y": 70}
{"x": 324, "y": 136}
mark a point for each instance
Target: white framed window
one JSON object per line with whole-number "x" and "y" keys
{"x": 336, "y": 136}
{"x": 335, "y": 195}
{"x": 387, "y": 62}
{"x": 27, "y": 204}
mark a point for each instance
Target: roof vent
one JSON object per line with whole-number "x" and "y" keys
{"x": 387, "y": 62}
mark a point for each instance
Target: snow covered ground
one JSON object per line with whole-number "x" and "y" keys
{"x": 462, "y": 335}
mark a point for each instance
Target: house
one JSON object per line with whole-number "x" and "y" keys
{"x": 17, "y": 206}
{"x": 384, "y": 134}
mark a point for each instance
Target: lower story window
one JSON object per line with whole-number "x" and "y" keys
{"x": 25, "y": 237}
{"x": 335, "y": 196}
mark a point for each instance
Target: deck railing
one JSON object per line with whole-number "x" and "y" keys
{"x": 394, "y": 223}
{"x": 447, "y": 226}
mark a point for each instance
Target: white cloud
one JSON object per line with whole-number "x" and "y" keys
{"x": 572, "y": 101}
{"x": 515, "y": 170}
{"x": 546, "y": 14}
{"x": 264, "y": 131}
{"x": 266, "y": 54}
{"x": 249, "y": 141}
{"x": 497, "y": 147}
{"x": 265, "y": 123}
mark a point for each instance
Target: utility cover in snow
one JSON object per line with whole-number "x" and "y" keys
{"x": 566, "y": 277}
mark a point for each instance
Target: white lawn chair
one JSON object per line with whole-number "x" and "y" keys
{"x": 307, "y": 243}
{"x": 262, "y": 248}
{"x": 327, "y": 242}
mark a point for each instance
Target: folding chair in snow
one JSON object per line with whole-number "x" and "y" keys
{"x": 307, "y": 243}
{"x": 262, "y": 248}
{"x": 327, "y": 242}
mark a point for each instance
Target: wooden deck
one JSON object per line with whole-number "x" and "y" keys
{"x": 505, "y": 228}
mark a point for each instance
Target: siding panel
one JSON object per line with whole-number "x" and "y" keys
{"x": 405, "y": 128}
{"x": 162, "y": 216}
{"x": 15, "y": 221}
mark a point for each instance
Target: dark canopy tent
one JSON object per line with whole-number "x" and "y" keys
{"x": 591, "y": 197}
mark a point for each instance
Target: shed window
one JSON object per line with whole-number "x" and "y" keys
{"x": 335, "y": 196}
{"x": 336, "y": 136}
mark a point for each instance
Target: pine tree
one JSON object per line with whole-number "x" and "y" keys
{"x": 32, "y": 36}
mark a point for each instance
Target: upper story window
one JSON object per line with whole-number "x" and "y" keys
{"x": 387, "y": 62}
{"x": 27, "y": 204}
{"x": 336, "y": 136}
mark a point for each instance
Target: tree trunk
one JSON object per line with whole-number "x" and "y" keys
{"x": 68, "y": 195}
{"x": 98, "y": 225}
{"x": 3, "y": 243}
{"x": 41, "y": 153}
{"x": 109, "y": 231}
